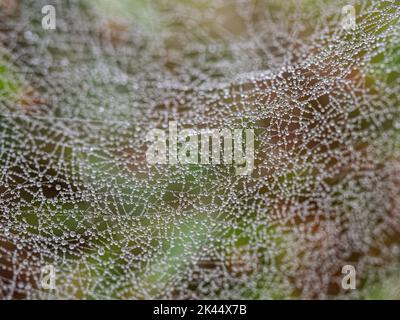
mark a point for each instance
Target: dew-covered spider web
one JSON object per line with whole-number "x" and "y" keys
{"x": 76, "y": 191}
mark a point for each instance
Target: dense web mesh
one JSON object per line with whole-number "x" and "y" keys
{"x": 76, "y": 191}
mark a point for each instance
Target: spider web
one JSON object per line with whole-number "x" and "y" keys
{"x": 76, "y": 191}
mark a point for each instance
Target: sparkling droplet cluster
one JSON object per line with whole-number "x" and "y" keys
{"x": 76, "y": 192}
